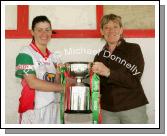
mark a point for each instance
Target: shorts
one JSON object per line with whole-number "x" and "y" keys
{"x": 49, "y": 114}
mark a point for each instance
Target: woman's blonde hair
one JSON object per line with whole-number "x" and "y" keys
{"x": 110, "y": 17}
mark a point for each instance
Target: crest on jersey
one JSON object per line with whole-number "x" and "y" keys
{"x": 50, "y": 77}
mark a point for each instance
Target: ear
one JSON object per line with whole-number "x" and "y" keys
{"x": 101, "y": 31}
{"x": 32, "y": 32}
{"x": 121, "y": 30}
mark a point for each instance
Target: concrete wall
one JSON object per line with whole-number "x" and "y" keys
{"x": 134, "y": 17}
{"x": 83, "y": 49}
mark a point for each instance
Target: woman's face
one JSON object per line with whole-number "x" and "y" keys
{"x": 42, "y": 33}
{"x": 112, "y": 32}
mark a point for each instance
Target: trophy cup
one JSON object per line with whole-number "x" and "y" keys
{"x": 78, "y": 93}
{"x": 82, "y": 96}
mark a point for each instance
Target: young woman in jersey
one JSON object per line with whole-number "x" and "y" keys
{"x": 120, "y": 65}
{"x": 35, "y": 65}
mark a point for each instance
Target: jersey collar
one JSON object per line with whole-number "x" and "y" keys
{"x": 34, "y": 46}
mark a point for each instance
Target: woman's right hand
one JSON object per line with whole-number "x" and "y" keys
{"x": 101, "y": 69}
{"x": 59, "y": 66}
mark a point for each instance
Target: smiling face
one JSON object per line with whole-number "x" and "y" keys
{"x": 112, "y": 32}
{"x": 42, "y": 33}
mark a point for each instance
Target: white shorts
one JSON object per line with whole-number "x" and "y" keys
{"x": 49, "y": 114}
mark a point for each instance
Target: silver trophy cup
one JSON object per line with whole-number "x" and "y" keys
{"x": 78, "y": 99}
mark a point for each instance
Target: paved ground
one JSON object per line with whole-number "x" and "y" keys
{"x": 78, "y": 118}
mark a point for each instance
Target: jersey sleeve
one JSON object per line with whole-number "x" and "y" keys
{"x": 24, "y": 65}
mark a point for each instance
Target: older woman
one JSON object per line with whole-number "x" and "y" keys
{"x": 120, "y": 65}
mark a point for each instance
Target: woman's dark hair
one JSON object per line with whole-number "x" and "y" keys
{"x": 38, "y": 19}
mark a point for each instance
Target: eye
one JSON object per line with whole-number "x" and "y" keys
{"x": 116, "y": 26}
{"x": 106, "y": 28}
{"x": 48, "y": 30}
{"x": 39, "y": 30}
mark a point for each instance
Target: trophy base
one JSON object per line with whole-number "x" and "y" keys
{"x": 78, "y": 111}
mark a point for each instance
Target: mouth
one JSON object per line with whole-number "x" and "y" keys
{"x": 113, "y": 35}
{"x": 44, "y": 38}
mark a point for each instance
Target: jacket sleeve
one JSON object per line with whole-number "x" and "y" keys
{"x": 129, "y": 78}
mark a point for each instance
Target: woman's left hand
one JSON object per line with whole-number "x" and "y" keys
{"x": 101, "y": 69}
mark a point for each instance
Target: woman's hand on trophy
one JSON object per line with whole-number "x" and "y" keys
{"x": 59, "y": 66}
{"x": 60, "y": 87}
{"x": 101, "y": 69}
{"x": 70, "y": 80}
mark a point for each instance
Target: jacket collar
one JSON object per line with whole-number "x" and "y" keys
{"x": 120, "y": 45}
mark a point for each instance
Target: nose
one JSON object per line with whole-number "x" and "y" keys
{"x": 111, "y": 30}
{"x": 44, "y": 31}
